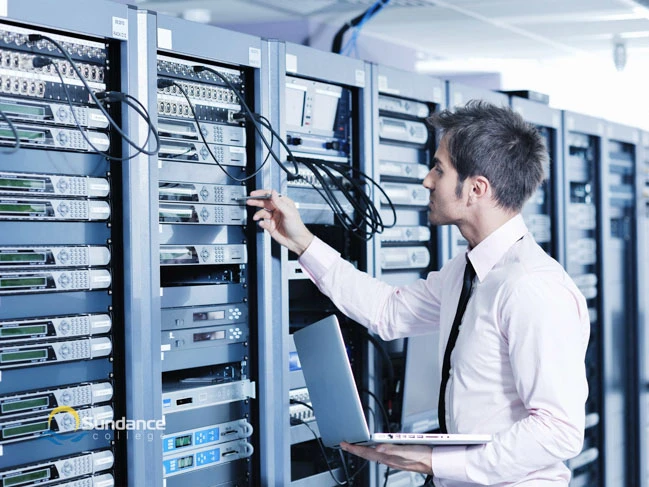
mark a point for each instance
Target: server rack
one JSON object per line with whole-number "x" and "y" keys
{"x": 643, "y": 314}
{"x": 325, "y": 108}
{"x": 63, "y": 262}
{"x": 403, "y": 149}
{"x": 458, "y": 95}
{"x": 544, "y": 213}
{"x": 620, "y": 323}
{"x": 209, "y": 97}
{"x": 583, "y": 153}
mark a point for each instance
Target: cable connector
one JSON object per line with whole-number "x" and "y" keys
{"x": 293, "y": 177}
{"x": 41, "y": 61}
{"x": 239, "y": 116}
{"x": 199, "y": 68}
{"x": 165, "y": 82}
{"x": 110, "y": 96}
{"x": 35, "y": 37}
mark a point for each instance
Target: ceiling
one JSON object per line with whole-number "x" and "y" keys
{"x": 448, "y": 30}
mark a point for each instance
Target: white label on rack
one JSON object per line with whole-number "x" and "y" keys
{"x": 120, "y": 28}
{"x": 164, "y": 38}
{"x": 237, "y": 150}
{"x": 360, "y": 78}
{"x": 166, "y": 347}
{"x": 3, "y": 8}
{"x": 556, "y": 121}
{"x": 571, "y": 123}
{"x": 291, "y": 63}
{"x": 254, "y": 57}
{"x": 1, "y": 452}
{"x": 383, "y": 82}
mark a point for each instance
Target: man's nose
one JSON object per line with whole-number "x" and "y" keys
{"x": 428, "y": 182}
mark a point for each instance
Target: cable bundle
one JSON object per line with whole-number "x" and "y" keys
{"x": 107, "y": 96}
{"x": 333, "y": 179}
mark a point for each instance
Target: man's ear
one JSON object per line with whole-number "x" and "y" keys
{"x": 479, "y": 187}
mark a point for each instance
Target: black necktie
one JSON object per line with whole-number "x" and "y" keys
{"x": 469, "y": 274}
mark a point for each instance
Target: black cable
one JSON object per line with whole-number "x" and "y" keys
{"x": 76, "y": 120}
{"x": 386, "y": 419}
{"x": 163, "y": 83}
{"x": 254, "y": 118}
{"x": 95, "y": 97}
{"x": 371, "y": 338}
{"x": 297, "y": 421}
{"x": 366, "y": 214}
{"x": 343, "y": 460}
{"x": 336, "y": 44}
{"x": 15, "y": 132}
{"x": 295, "y": 401}
{"x": 290, "y": 157}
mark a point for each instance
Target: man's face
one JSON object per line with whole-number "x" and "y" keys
{"x": 444, "y": 207}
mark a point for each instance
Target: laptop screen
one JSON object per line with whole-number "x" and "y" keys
{"x": 329, "y": 378}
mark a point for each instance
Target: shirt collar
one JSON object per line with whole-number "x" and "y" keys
{"x": 488, "y": 252}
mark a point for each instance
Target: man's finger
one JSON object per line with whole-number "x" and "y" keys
{"x": 262, "y": 214}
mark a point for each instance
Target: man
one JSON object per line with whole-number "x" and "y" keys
{"x": 516, "y": 354}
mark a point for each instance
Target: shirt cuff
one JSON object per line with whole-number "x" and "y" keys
{"x": 317, "y": 259}
{"x": 449, "y": 462}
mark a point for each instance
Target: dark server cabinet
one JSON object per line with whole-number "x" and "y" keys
{"x": 543, "y": 213}
{"x": 620, "y": 324}
{"x": 582, "y": 192}
{"x": 324, "y": 112}
{"x": 63, "y": 264}
{"x": 209, "y": 88}
{"x": 642, "y": 348}
{"x": 404, "y": 146}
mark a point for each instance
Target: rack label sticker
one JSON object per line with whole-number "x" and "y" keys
{"x": 254, "y": 57}
{"x": 383, "y": 82}
{"x": 360, "y": 78}
{"x": 164, "y": 38}
{"x": 556, "y": 121}
{"x": 291, "y": 63}
{"x": 120, "y": 28}
{"x": 3, "y": 13}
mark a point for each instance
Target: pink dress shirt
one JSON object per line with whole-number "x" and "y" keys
{"x": 517, "y": 369}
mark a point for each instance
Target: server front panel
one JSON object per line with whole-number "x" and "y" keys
{"x": 60, "y": 259}
{"x": 583, "y": 264}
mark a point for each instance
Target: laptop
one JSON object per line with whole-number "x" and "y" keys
{"x": 334, "y": 397}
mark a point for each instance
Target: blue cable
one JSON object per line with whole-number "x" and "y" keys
{"x": 373, "y": 10}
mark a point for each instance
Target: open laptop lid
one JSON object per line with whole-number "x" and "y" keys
{"x": 329, "y": 378}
